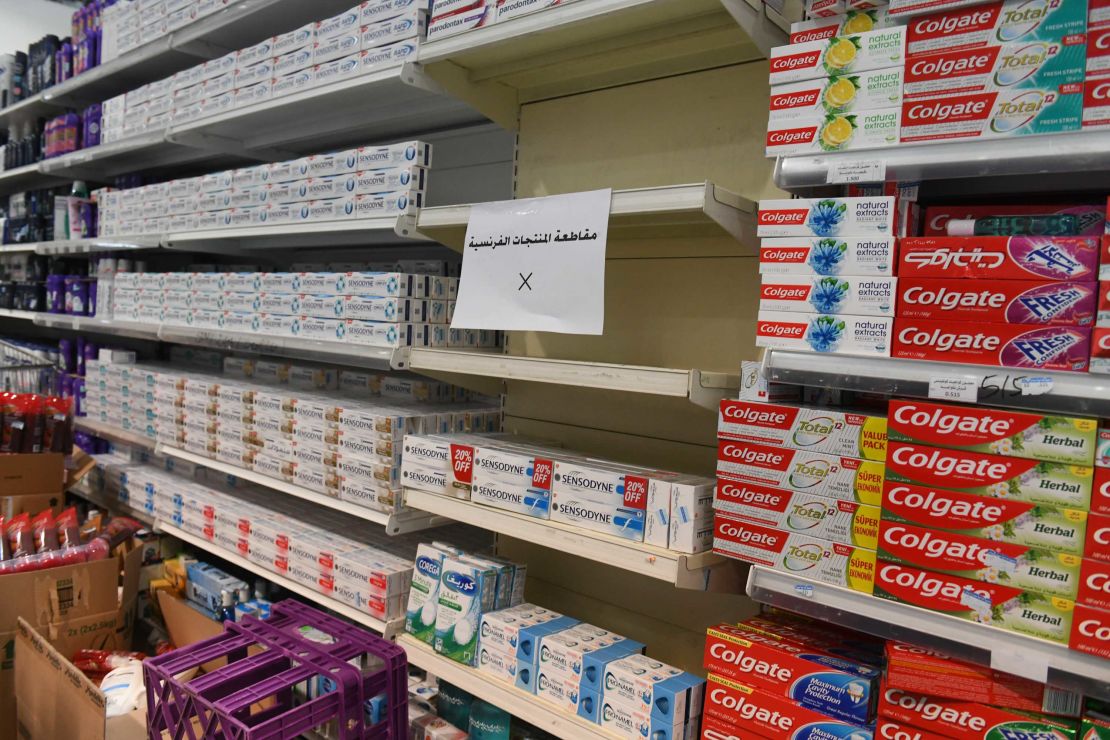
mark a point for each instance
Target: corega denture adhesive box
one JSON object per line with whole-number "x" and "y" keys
{"x": 824, "y": 217}
{"x": 855, "y": 296}
{"x": 859, "y": 52}
{"x": 815, "y": 332}
{"x": 811, "y": 255}
{"x": 815, "y": 429}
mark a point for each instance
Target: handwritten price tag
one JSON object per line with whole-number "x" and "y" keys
{"x": 953, "y": 389}
{"x": 857, "y": 171}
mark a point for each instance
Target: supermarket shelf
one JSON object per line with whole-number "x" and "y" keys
{"x": 704, "y": 389}
{"x": 394, "y": 523}
{"x": 11, "y": 313}
{"x": 139, "y": 153}
{"x": 16, "y": 248}
{"x": 1071, "y": 393}
{"x": 388, "y": 629}
{"x": 91, "y": 246}
{"x": 28, "y": 177}
{"x": 1029, "y": 657}
{"x": 686, "y": 211}
{"x": 1021, "y": 157}
{"x": 96, "y": 326}
{"x": 83, "y": 490}
{"x": 324, "y": 234}
{"x": 114, "y": 433}
{"x": 513, "y": 700}
{"x": 396, "y": 102}
{"x": 27, "y": 110}
{"x": 684, "y": 571}
{"x": 583, "y": 46}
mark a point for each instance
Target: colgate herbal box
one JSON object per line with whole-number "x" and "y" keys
{"x": 843, "y": 478}
{"x": 990, "y": 24}
{"x": 824, "y": 333}
{"x": 849, "y": 255}
{"x": 824, "y": 217}
{"x": 800, "y": 555}
{"x": 999, "y": 257}
{"x": 745, "y": 710}
{"x": 817, "y": 429}
{"x": 1053, "y": 484}
{"x": 998, "y": 301}
{"x": 1001, "y": 345}
{"x": 966, "y": 720}
{"x": 855, "y": 296}
{"x": 858, "y": 52}
{"x": 1059, "y": 439}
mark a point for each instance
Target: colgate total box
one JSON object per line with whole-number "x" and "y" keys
{"x": 859, "y": 52}
{"x": 1091, "y": 631}
{"x": 1014, "y": 609}
{"x": 1053, "y": 484}
{"x": 999, "y": 301}
{"x": 1002, "y": 345}
{"x": 849, "y": 255}
{"x": 820, "y": 430}
{"x": 967, "y": 720}
{"x": 824, "y": 217}
{"x": 1060, "y": 439}
{"x": 992, "y": 115}
{"x": 800, "y": 555}
{"x": 999, "y": 257}
{"x": 843, "y": 478}
{"x": 855, "y": 296}
{"x": 824, "y": 333}
{"x": 854, "y": 21}
{"x": 824, "y": 683}
{"x": 744, "y": 710}
{"x": 991, "y": 24}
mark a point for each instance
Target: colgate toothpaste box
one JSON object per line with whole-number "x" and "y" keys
{"x": 1098, "y": 53}
{"x": 1084, "y": 220}
{"x": 888, "y": 729}
{"x": 1098, "y": 538}
{"x": 850, "y": 255}
{"x": 806, "y": 131}
{"x": 1053, "y": 484}
{"x": 1001, "y": 345}
{"x": 877, "y": 89}
{"x": 1102, "y": 317}
{"x": 998, "y": 301}
{"x": 1026, "y": 612}
{"x": 842, "y": 478}
{"x": 978, "y": 559}
{"x": 1044, "y": 528}
{"x": 964, "y": 719}
{"x": 990, "y": 24}
{"x": 993, "y": 115}
{"x": 858, "y": 52}
{"x": 806, "y": 557}
{"x": 1059, "y": 439}
{"x": 1091, "y": 631}
{"x": 744, "y": 709}
{"x": 1096, "y": 104}
{"x": 1100, "y": 492}
{"x": 824, "y": 217}
{"x": 1102, "y": 451}
{"x": 818, "y": 429}
{"x": 1094, "y": 585}
{"x": 999, "y": 257}
{"x": 829, "y": 638}
{"x": 1095, "y": 724}
{"x": 814, "y": 332}
{"x": 854, "y": 21}
{"x": 825, "y": 8}
{"x": 856, "y": 296}
{"x": 1100, "y": 350}
{"x": 823, "y": 683}
{"x": 1037, "y": 64}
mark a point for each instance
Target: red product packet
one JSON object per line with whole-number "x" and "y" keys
{"x": 69, "y": 531}
{"x": 45, "y": 531}
{"x": 19, "y": 535}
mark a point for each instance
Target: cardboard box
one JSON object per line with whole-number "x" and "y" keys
{"x": 21, "y": 475}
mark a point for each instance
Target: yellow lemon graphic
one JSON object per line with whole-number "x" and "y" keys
{"x": 836, "y": 133}
{"x": 840, "y": 93}
{"x": 860, "y": 23}
{"x": 841, "y": 54}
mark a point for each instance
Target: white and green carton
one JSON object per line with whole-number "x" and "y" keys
{"x": 467, "y": 590}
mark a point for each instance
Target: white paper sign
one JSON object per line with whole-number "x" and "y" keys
{"x": 536, "y": 264}
{"x": 953, "y": 389}
{"x": 856, "y": 171}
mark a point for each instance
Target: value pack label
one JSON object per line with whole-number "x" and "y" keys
{"x": 1053, "y": 484}
{"x": 854, "y": 53}
{"x": 844, "y": 478}
{"x": 848, "y": 255}
{"x": 817, "y": 429}
{"x": 1059, "y": 439}
{"x": 989, "y": 24}
{"x": 999, "y": 301}
{"x": 967, "y": 720}
{"x": 1065, "y": 348}
{"x": 868, "y": 296}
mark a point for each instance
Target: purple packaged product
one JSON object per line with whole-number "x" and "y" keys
{"x": 55, "y": 293}
{"x": 92, "y": 351}
{"x": 69, "y": 357}
{"x": 91, "y": 306}
{"x": 79, "y": 396}
{"x": 91, "y": 134}
{"x": 80, "y": 355}
{"x": 86, "y": 220}
{"x": 65, "y": 385}
{"x": 77, "y": 295}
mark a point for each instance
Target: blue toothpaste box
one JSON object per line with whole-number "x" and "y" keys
{"x": 527, "y": 651}
{"x": 654, "y": 688}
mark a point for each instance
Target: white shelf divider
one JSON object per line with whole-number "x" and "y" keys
{"x": 83, "y": 490}
{"x": 515, "y": 701}
{"x": 89, "y": 246}
{"x": 11, "y": 313}
{"x": 96, "y": 325}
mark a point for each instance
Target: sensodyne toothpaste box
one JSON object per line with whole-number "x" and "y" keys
{"x": 857, "y": 296}
{"x": 514, "y": 480}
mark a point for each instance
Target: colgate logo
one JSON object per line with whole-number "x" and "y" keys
{"x": 946, "y": 65}
{"x": 950, "y": 300}
{"x": 750, "y": 415}
{"x": 791, "y": 136}
{"x": 784, "y": 217}
{"x": 805, "y": 99}
{"x": 944, "y": 341}
{"x": 746, "y": 455}
{"x": 745, "y": 495}
{"x": 946, "y": 422}
{"x": 1095, "y": 629}
{"x": 1098, "y": 91}
{"x": 789, "y": 330}
{"x": 943, "y": 24}
{"x": 783, "y": 255}
{"x": 791, "y": 62}
{"x": 814, "y": 34}
{"x": 785, "y": 292}
{"x": 1099, "y": 582}
{"x": 765, "y": 539}
{"x": 940, "y": 111}
{"x": 944, "y": 465}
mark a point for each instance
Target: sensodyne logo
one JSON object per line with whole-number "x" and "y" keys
{"x": 578, "y": 480}
{"x": 410, "y": 153}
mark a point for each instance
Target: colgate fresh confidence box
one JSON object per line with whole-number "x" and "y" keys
{"x": 817, "y": 429}
{"x": 809, "y": 255}
{"x": 824, "y": 217}
{"x": 843, "y": 478}
{"x": 1002, "y": 345}
{"x": 849, "y": 295}
{"x": 999, "y": 257}
{"x": 743, "y": 710}
{"x": 998, "y": 301}
{"x": 966, "y": 720}
{"x": 990, "y": 24}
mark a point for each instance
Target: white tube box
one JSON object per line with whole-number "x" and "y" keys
{"x": 813, "y": 332}
{"x": 857, "y": 296}
{"x": 826, "y": 217}
{"x": 811, "y": 255}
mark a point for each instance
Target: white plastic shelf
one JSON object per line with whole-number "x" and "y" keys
{"x": 27, "y": 111}
{"x": 27, "y": 177}
{"x": 685, "y": 211}
{"x": 684, "y": 571}
{"x": 388, "y": 629}
{"x": 96, "y": 325}
{"x": 1072, "y": 393}
{"x": 399, "y": 523}
{"x": 11, "y": 313}
{"x": 702, "y": 388}
{"x": 1028, "y": 657}
{"x": 17, "y": 248}
{"x": 114, "y": 433}
{"x": 62, "y": 247}
{"x": 139, "y": 153}
{"x": 515, "y": 701}
{"x": 319, "y": 234}
{"x": 107, "y": 503}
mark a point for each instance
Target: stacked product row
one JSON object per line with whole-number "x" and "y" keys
{"x": 368, "y": 38}
{"x": 125, "y": 25}
{"x": 366, "y": 182}
{"x": 345, "y": 446}
{"x": 656, "y": 507}
{"x": 872, "y": 78}
{"x": 452, "y": 17}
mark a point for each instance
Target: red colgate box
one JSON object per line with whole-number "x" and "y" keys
{"x": 1104, "y": 259}
{"x": 1100, "y": 493}
{"x": 1100, "y": 350}
{"x": 1070, "y": 258}
{"x": 745, "y": 710}
{"x": 829, "y": 638}
{"x": 967, "y": 720}
{"x": 1065, "y": 348}
{"x": 1053, "y": 484}
{"x": 844, "y": 478}
{"x": 818, "y": 429}
{"x": 987, "y": 24}
{"x": 1094, "y": 585}
{"x": 1091, "y": 631}
{"x": 1098, "y": 538}
{"x": 1090, "y": 218}
{"x": 1102, "y": 314}
{"x": 888, "y": 729}
{"x": 999, "y": 301}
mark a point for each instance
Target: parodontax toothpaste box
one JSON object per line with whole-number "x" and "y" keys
{"x": 999, "y": 257}
{"x": 824, "y": 430}
{"x": 834, "y": 295}
{"x": 965, "y": 720}
{"x": 811, "y": 255}
{"x": 999, "y": 301}
{"x": 736, "y": 710}
{"x": 825, "y": 333}
{"x": 1066, "y": 348}
{"x": 843, "y": 478}
{"x": 824, "y": 217}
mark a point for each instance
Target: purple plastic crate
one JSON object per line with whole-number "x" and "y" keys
{"x": 297, "y": 648}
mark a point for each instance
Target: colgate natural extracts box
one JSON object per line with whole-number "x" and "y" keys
{"x": 998, "y": 301}
{"x": 999, "y": 257}
{"x": 855, "y": 296}
{"x": 816, "y": 429}
{"x": 843, "y": 478}
{"x": 824, "y": 217}
{"x": 1003, "y": 345}
{"x": 854, "y": 53}
{"x": 854, "y": 21}
{"x": 809, "y": 255}
{"x": 1014, "y": 609}
{"x": 966, "y": 720}
{"x": 990, "y": 24}
{"x": 816, "y": 131}
{"x": 843, "y": 522}
{"x": 824, "y": 333}
{"x": 1053, "y": 484}
{"x": 874, "y": 90}
{"x": 1059, "y": 439}
{"x": 992, "y": 115}
{"x": 745, "y": 709}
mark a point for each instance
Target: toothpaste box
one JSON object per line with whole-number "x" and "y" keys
{"x": 468, "y": 19}
{"x": 1100, "y": 350}
{"x": 509, "y": 9}
{"x": 857, "y": 296}
{"x": 843, "y": 522}
{"x": 736, "y": 710}
{"x": 500, "y": 630}
{"x": 1002, "y": 345}
{"x": 992, "y": 115}
{"x": 467, "y": 590}
{"x": 1052, "y": 484}
{"x": 880, "y": 88}
{"x": 1059, "y": 439}
{"x": 1098, "y": 538}
{"x": 572, "y": 653}
{"x": 940, "y": 717}
{"x": 501, "y": 666}
{"x": 835, "y": 687}
{"x": 842, "y": 478}
{"x": 1094, "y": 586}
{"x": 1087, "y": 220}
{"x": 998, "y": 301}
{"x": 606, "y": 517}
{"x": 979, "y": 559}
{"x": 1091, "y": 632}
{"x": 1098, "y": 55}
{"x": 826, "y": 217}
{"x": 849, "y": 255}
{"x": 805, "y": 131}
{"x": 991, "y": 24}
{"x": 801, "y": 555}
{"x": 814, "y": 332}
{"x": 1044, "y": 528}
{"x": 853, "y": 21}
{"x": 622, "y": 720}
{"x": 855, "y": 53}
{"x": 1102, "y": 451}
{"x": 1008, "y": 607}
{"x": 815, "y": 429}
{"x": 653, "y": 687}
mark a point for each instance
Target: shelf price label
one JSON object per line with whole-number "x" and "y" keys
{"x": 856, "y": 171}
{"x": 953, "y": 389}
{"x": 1005, "y": 386}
